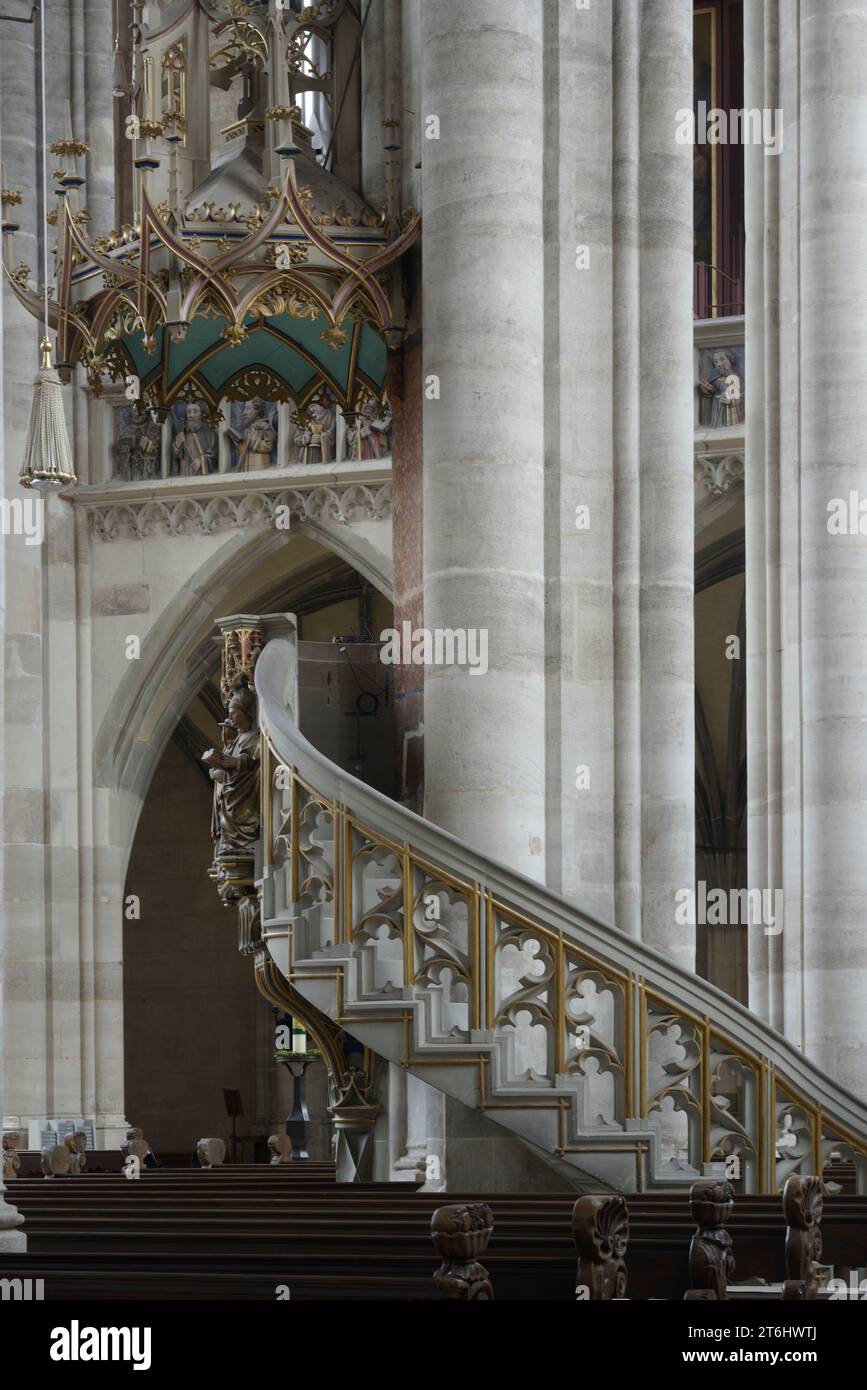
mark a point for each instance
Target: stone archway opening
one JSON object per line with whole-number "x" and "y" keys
{"x": 194, "y": 1022}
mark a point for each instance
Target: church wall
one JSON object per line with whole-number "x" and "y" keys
{"x": 189, "y": 1003}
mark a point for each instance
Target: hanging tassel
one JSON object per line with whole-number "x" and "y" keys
{"x": 47, "y": 455}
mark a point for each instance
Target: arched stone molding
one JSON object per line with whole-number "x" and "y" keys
{"x": 178, "y": 653}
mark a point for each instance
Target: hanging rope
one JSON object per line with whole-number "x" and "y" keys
{"x": 42, "y": 9}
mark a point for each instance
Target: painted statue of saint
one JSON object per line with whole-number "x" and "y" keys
{"x": 235, "y": 774}
{"x": 723, "y": 387}
{"x": 314, "y": 437}
{"x": 194, "y": 451}
{"x": 256, "y": 438}
{"x": 370, "y": 436}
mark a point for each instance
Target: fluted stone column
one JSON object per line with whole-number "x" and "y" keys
{"x": 666, "y": 466}
{"x": 63, "y": 884}
{"x": 483, "y": 310}
{"x": 618, "y": 435}
{"x": 806, "y": 447}
{"x": 579, "y": 418}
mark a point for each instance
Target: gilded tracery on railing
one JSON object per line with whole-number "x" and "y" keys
{"x": 574, "y": 1028}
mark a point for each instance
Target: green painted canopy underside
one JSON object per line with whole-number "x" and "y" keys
{"x": 292, "y": 349}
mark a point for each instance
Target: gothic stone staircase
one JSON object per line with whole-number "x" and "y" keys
{"x": 588, "y": 1044}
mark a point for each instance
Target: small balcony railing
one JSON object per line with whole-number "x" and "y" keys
{"x": 716, "y": 294}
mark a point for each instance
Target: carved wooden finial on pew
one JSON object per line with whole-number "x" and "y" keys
{"x": 135, "y": 1146}
{"x": 210, "y": 1152}
{"x": 11, "y": 1156}
{"x": 280, "y": 1148}
{"x": 600, "y": 1229}
{"x": 66, "y": 1159}
{"x": 711, "y": 1261}
{"x": 460, "y": 1235}
{"x": 802, "y": 1208}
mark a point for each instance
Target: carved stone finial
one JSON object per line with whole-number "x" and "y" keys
{"x": 711, "y": 1261}
{"x": 460, "y": 1235}
{"x": 600, "y": 1229}
{"x": 11, "y": 1157}
{"x": 210, "y": 1152}
{"x": 802, "y": 1208}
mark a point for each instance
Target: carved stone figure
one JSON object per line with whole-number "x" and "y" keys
{"x": 235, "y": 774}
{"x": 787, "y": 1137}
{"x": 256, "y": 439}
{"x": 723, "y": 388}
{"x": 194, "y": 450}
{"x": 314, "y": 436}
{"x": 210, "y": 1152}
{"x": 280, "y": 1148}
{"x": 711, "y": 1261}
{"x": 11, "y": 1157}
{"x": 144, "y": 462}
{"x": 802, "y": 1208}
{"x": 600, "y": 1229}
{"x": 138, "y": 446}
{"x": 370, "y": 436}
{"x": 460, "y": 1235}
